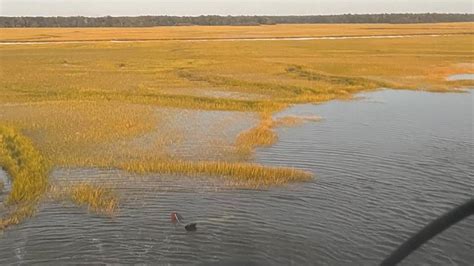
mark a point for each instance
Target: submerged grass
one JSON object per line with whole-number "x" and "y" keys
{"x": 96, "y": 198}
{"x": 244, "y": 174}
{"x": 264, "y": 135}
{"x": 261, "y": 135}
{"x": 18, "y": 214}
{"x": 28, "y": 171}
{"x": 291, "y": 120}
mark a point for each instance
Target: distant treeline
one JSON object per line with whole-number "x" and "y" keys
{"x": 152, "y": 21}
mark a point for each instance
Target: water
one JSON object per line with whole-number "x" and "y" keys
{"x": 386, "y": 165}
{"x": 461, "y": 77}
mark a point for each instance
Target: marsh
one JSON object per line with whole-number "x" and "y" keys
{"x": 378, "y": 180}
{"x": 285, "y": 152}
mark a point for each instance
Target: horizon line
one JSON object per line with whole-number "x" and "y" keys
{"x": 261, "y": 15}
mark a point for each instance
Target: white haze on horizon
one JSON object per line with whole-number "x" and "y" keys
{"x": 226, "y": 7}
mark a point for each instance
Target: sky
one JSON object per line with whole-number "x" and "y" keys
{"x": 226, "y": 7}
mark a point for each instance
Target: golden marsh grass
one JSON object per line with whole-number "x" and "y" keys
{"x": 77, "y": 101}
{"x": 84, "y": 104}
{"x": 292, "y": 120}
{"x": 261, "y": 135}
{"x": 93, "y": 94}
{"x": 244, "y": 174}
{"x": 24, "y": 164}
{"x": 264, "y": 135}
{"x": 219, "y": 32}
{"x": 97, "y": 199}
{"x": 17, "y": 214}
{"x": 28, "y": 171}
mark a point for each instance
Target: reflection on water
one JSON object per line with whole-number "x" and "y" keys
{"x": 461, "y": 77}
{"x": 385, "y": 166}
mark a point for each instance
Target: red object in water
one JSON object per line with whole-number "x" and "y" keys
{"x": 176, "y": 217}
{"x": 173, "y": 217}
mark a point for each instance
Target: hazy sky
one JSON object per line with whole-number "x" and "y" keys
{"x": 225, "y": 7}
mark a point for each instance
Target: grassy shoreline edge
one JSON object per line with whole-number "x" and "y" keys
{"x": 29, "y": 173}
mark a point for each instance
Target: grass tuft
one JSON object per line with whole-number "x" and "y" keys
{"x": 96, "y": 198}
{"x": 244, "y": 174}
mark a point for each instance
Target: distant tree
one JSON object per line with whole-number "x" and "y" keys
{"x": 152, "y": 21}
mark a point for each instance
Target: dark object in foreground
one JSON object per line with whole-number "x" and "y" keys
{"x": 176, "y": 218}
{"x": 190, "y": 227}
{"x": 432, "y": 229}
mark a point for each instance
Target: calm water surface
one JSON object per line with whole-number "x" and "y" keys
{"x": 385, "y": 164}
{"x": 461, "y": 77}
